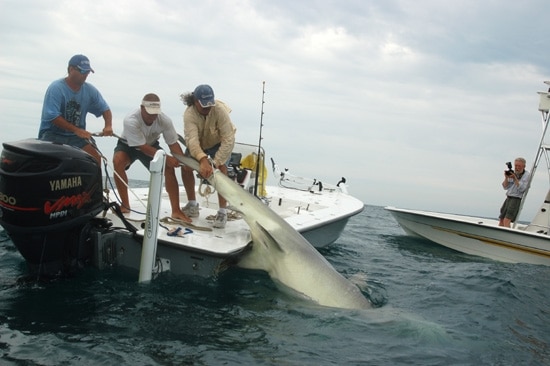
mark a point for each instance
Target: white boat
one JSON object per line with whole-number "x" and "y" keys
{"x": 60, "y": 215}
{"x": 529, "y": 243}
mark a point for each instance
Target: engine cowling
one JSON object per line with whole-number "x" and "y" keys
{"x": 48, "y": 193}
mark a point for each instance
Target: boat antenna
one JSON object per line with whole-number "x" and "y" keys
{"x": 259, "y": 156}
{"x": 542, "y": 150}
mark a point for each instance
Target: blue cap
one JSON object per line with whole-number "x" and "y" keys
{"x": 81, "y": 62}
{"x": 205, "y": 95}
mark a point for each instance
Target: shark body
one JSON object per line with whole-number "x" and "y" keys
{"x": 284, "y": 253}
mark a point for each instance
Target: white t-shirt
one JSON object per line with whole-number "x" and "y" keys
{"x": 137, "y": 133}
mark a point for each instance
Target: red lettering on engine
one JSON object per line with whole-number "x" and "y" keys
{"x": 77, "y": 200}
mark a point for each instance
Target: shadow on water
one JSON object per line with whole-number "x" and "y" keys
{"x": 420, "y": 248}
{"x": 338, "y": 255}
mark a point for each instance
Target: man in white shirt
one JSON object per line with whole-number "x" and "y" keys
{"x": 140, "y": 140}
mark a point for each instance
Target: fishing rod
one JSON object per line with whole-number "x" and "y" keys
{"x": 259, "y": 143}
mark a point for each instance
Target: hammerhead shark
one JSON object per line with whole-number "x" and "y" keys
{"x": 282, "y": 252}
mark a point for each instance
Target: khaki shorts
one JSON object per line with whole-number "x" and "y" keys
{"x": 510, "y": 208}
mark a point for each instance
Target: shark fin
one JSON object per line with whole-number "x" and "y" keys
{"x": 272, "y": 242}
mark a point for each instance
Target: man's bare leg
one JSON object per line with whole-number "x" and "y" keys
{"x": 172, "y": 188}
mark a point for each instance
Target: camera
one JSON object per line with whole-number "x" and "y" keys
{"x": 510, "y": 171}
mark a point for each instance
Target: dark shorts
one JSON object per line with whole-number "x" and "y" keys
{"x": 510, "y": 208}
{"x": 72, "y": 140}
{"x": 135, "y": 154}
{"x": 210, "y": 152}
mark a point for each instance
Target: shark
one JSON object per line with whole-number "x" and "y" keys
{"x": 282, "y": 252}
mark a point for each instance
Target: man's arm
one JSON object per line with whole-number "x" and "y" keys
{"x": 108, "y": 117}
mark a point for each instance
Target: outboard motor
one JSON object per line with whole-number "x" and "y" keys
{"x": 49, "y": 193}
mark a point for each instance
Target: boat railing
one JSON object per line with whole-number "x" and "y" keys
{"x": 291, "y": 181}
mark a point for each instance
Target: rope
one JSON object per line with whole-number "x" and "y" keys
{"x": 206, "y": 192}
{"x": 209, "y": 190}
{"x": 108, "y": 181}
{"x": 172, "y": 221}
{"x": 231, "y": 216}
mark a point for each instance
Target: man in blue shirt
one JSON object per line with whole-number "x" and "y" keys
{"x": 66, "y": 104}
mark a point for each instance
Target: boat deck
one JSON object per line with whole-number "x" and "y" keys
{"x": 305, "y": 211}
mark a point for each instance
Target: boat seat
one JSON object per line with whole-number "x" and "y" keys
{"x": 235, "y": 159}
{"x": 241, "y": 176}
{"x": 233, "y": 165}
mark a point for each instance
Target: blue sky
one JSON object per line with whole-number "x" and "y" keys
{"x": 418, "y": 104}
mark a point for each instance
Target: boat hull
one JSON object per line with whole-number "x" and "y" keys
{"x": 121, "y": 249}
{"x": 476, "y": 236}
{"x": 326, "y": 234}
{"x": 320, "y": 218}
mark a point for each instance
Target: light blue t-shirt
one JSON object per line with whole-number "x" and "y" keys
{"x": 60, "y": 100}
{"x": 517, "y": 191}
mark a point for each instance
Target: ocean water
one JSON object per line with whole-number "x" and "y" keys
{"x": 432, "y": 306}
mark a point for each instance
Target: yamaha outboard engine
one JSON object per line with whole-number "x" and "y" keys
{"x": 48, "y": 195}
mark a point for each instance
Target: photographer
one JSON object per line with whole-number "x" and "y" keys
{"x": 515, "y": 183}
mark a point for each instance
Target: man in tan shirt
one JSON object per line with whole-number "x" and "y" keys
{"x": 208, "y": 132}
